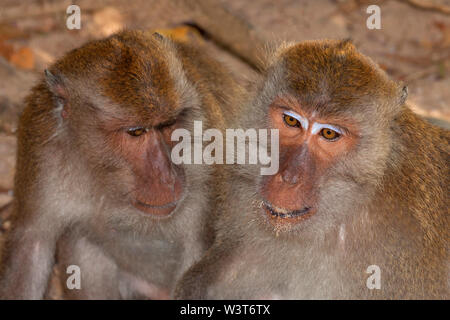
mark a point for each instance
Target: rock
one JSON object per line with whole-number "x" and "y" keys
{"x": 108, "y": 21}
{"x": 5, "y": 198}
{"x": 7, "y": 161}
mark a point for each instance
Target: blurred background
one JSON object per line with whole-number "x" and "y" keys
{"x": 413, "y": 45}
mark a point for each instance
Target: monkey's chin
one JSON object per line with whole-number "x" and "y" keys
{"x": 279, "y": 216}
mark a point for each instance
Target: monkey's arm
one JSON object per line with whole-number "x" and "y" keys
{"x": 194, "y": 282}
{"x": 198, "y": 281}
{"x": 27, "y": 260}
{"x": 40, "y": 205}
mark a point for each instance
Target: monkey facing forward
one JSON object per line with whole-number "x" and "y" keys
{"x": 95, "y": 184}
{"x": 363, "y": 185}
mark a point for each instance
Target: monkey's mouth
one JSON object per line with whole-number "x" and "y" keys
{"x": 278, "y": 213}
{"x": 158, "y": 210}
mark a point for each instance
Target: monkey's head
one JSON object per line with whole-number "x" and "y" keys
{"x": 117, "y": 102}
{"x": 334, "y": 109}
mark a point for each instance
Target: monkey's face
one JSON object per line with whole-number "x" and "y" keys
{"x": 309, "y": 146}
{"x": 158, "y": 185}
{"x": 122, "y": 119}
{"x": 333, "y": 109}
{"x": 132, "y": 155}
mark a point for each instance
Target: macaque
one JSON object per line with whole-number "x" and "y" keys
{"x": 95, "y": 188}
{"x": 359, "y": 206}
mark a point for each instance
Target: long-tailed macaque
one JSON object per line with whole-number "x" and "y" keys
{"x": 95, "y": 184}
{"x": 359, "y": 206}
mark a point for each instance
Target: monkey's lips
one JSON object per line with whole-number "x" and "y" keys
{"x": 158, "y": 210}
{"x": 162, "y": 201}
{"x": 277, "y": 213}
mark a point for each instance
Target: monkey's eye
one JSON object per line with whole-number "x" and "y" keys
{"x": 136, "y": 132}
{"x": 291, "y": 121}
{"x": 329, "y": 134}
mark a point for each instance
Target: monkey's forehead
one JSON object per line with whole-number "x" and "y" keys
{"x": 129, "y": 68}
{"x": 123, "y": 50}
{"x": 330, "y": 61}
{"x": 335, "y": 70}
{"x": 142, "y": 83}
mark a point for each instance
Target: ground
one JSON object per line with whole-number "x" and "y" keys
{"x": 413, "y": 45}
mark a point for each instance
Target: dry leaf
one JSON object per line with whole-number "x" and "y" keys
{"x": 23, "y": 58}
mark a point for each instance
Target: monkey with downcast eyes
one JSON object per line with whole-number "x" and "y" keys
{"x": 95, "y": 184}
{"x": 359, "y": 206}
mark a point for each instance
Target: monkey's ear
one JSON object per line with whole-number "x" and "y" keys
{"x": 55, "y": 85}
{"x": 346, "y": 44}
{"x": 158, "y": 35}
{"x": 403, "y": 94}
